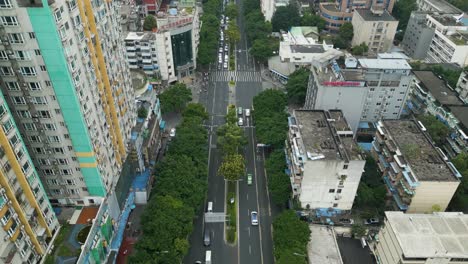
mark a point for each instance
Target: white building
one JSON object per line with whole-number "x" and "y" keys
{"x": 324, "y": 161}
{"x": 462, "y": 86}
{"x": 142, "y": 54}
{"x": 367, "y": 90}
{"x": 416, "y": 174}
{"x": 440, "y": 6}
{"x": 450, "y": 41}
{"x": 375, "y": 30}
{"x": 64, "y": 76}
{"x": 423, "y": 238}
{"x": 268, "y": 7}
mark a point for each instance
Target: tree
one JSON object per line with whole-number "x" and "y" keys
{"x": 233, "y": 167}
{"x": 360, "y": 49}
{"x": 460, "y": 199}
{"x": 450, "y": 76}
{"x": 261, "y": 49}
{"x": 344, "y": 37}
{"x": 297, "y": 86}
{"x": 195, "y": 111}
{"x": 279, "y": 184}
{"x": 358, "y": 230}
{"x": 149, "y": 23}
{"x": 232, "y": 11}
{"x": 175, "y": 98}
{"x": 285, "y": 17}
{"x": 462, "y": 4}
{"x": 402, "y": 12}
{"x": 233, "y": 32}
{"x": 290, "y": 238}
{"x": 230, "y": 138}
{"x": 311, "y": 20}
{"x": 256, "y": 26}
{"x": 142, "y": 112}
{"x": 436, "y": 129}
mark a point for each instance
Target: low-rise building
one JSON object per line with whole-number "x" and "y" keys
{"x": 430, "y": 95}
{"x": 462, "y": 86}
{"x": 423, "y": 238}
{"x": 416, "y": 174}
{"x": 323, "y": 247}
{"x": 325, "y": 163}
{"x": 375, "y": 30}
{"x": 366, "y": 90}
{"x": 440, "y": 6}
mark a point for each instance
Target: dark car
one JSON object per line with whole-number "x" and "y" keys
{"x": 371, "y": 221}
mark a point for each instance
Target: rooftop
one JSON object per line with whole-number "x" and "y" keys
{"x": 444, "y": 6}
{"x": 461, "y": 113}
{"x": 437, "y": 87}
{"x": 317, "y": 48}
{"x": 139, "y": 36}
{"x": 352, "y": 251}
{"x": 448, "y": 19}
{"x": 381, "y": 63}
{"x": 459, "y": 38}
{"x": 367, "y": 15}
{"x": 323, "y": 248}
{"x": 419, "y": 153}
{"x": 440, "y": 234}
{"x": 301, "y": 34}
{"x": 327, "y": 134}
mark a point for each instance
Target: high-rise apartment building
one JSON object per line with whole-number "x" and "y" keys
{"x": 64, "y": 75}
{"x": 340, "y": 12}
{"x": 366, "y": 90}
{"x": 26, "y": 217}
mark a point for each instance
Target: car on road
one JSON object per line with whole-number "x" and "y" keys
{"x": 371, "y": 221}
{"x": 226, "y": 57}
{"x": 220, "y": 59}
{"x": 225, "y": 65}
{"x": 240, "y": 122}
{"x": 208, "y": 257}
{"x": 249, "y": 179}
{"x": 247, "y": 112}
{"x": 172, "y": 132}
{"x": 254, "y": 217}
{"x": 220, "y": 50}
{"x": 226, "y": 48}
{"x": 239, "y": 110}
{"x": 207, "y": 238}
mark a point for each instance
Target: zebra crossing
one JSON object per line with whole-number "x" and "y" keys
{"x": 237, "y": 76}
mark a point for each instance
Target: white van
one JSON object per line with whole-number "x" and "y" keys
{"x": 210, "y": 207}
{"x": 208, "y": 257}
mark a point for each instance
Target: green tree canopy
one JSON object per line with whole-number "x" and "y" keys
{"x": 286, "y": 17}
{"x": 232, "y": 11}
{"x": 195, "y": 111}
{"x": 459, "y": 201}
{"x": 360, "y": 49}
{"x": 311, "y": 20}
{"x": 290, "y": 238}
{"x": 230, "y": 138}
{"x": 233, "y": 167}
{"x": 261, "y": 49}
{"x": 402, "y": 12}
{"x": 344, "y": 37}
{"x": 436, "y": 129}
{"x": 297, "y": 86}
{"x": 149, "y": 23}
{"x": 175, "y": 98}
{"x": 142, "y": 112}
{"x": 233, "y": 32}
{"x": 279, "y": 184}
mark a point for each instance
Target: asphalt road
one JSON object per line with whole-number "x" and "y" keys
{"x": 254, "y": 245}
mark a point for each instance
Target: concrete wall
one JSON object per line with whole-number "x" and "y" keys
{"x": 432, "y": 193}
{"x": 320, "y": 176}
{"x": 388, "y": 249}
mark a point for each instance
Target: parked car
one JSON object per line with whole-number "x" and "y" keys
{"x": 254, "y": 218}
{"x": 371, "y": 221}
{"x": 346, "y": 221}
{"x": 226, "y": 48}
{"x": 249, "y": 179}
{"x": 239, "y": 110}
{"x": 240, "y": 122}
{"x": 247, "y": 112}
{"x": 172, "y": 132}
{"x": 220, "y": 50}
{"x": 225, "y": 66}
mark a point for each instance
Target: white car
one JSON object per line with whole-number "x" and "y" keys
{"x": 226, "y": 57}
{"x": 254, "y": 218}
{"x": 247, "y": 112}
{"x": 240, "y": 122}
{"x": 221, "y": 50}
{"x": 226, "y": 48}
{"x": 225, "y": 65}
{"x": 172, "y": 133}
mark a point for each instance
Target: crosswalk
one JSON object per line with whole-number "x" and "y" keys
{"x": 237, "y": 76}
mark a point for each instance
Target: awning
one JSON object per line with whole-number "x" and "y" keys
{"x": 162, "y": 125}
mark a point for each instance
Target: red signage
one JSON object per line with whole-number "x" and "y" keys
{"x": 179, "y": 23}
{"x": 340, "y": 83}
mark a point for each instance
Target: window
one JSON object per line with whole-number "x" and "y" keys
{"x": 58, "y": 150}
{"x": 18, "y": 100}
{"x": 331, "y": 190}
{"x": 71, "y": 5}
{"x": 39, "y": 100}
{"x": 71, "y": 182}
{"x": 66, "y": 172}
{"x": 32, "y": 35}
{"x": 49, "y": 172}
{"x": 14, "y": 140}
{"x": 372, "y": 89}
{"x": 34, "y": 86}
{"x": 43, "y": 68}
{"x": 58, "y": 14}
{"x": 9, "y": 20}
{"x": 56, "y": 191}
{"x": 43, "y": 114}
{"x": 47, "y": 83}
{"x": 26, "y": 167}
{"x": 7, "y": 126}
{"x": 20, "y": 154}
{"x": 73, "y": 191}
{"x": 5, "y": 4}
{"x": 2, "y": 110}
{"x": 22, "y": 55}
{"x": 53, "y": 138}
{"x": 6, "y": 71}
{"x": 37, "y": 52}
{"x": 50, "y": 126}
{"x": 339, "y": 190}
{"x": 16, "y": 38}
{"x": 44, "y": 162}
{"x": 35, "y": 139}
{"x": 12, "y": 86}
{"x": 62, "y": 161}
{"x": 23, "y": 113}
{"x": 29, "y": 126}
{"x": 39, "y": 150}
{"x": 335, "y": 205}
{"x": 52, "y": 182}
{"x": 3, "y": 55}
{"x": 345, "y": 167}
{"x": 28, "y": 71}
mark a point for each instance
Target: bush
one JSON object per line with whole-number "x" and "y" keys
{"x": 150, "y": 23}
{"x": 290, "y": 238}
{"x": 142, "y": 112}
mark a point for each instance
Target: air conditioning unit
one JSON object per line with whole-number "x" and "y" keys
{"x": 25, "y": 85}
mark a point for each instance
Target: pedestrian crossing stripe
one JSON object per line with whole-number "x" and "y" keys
{"x": 236, "y": 76}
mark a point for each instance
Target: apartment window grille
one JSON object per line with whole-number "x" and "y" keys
{"x": 9, "y": 20}
{"x": 16, "y": 38}
{"x": 3, "y": 55}
{"x": 49, "y": 172}
{"x": 18, "y": 100}
{"x": 24, "y": 113}
{"x": 43, "y": 114}
{"x": 6, "y": 71}
{"x": 14, "y": 140}
{"x": 34, "y": 86}
{"x": 22, "y": 55}
{"x": 32, "y": 35}
{"x": 12, "y": 86}
{"x": 28, "y": 71}
{"x": 5, "y": 4}
{"x": 58, "y": 151}
{"x": 7, "y": 126}
{"x": 35, "y": 139}
{"x": 54, "y": 139}
{"x": 29, "y": 126}
{"x": 37, "y": 52}
{"x": 40, "y": 100}
{"x": 50, "y": 126}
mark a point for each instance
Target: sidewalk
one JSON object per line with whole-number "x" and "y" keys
{"x": 270, "y": 82}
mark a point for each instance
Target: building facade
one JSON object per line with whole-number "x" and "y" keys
{"x": 141, "y": 53}
{"x": 440, "y": 6}
{"x": 422, "y": 238}
{"x": 340, "y": 12}
{"x": 418, "y": 36}
{"x": 376, "y": 30}
{"x": 416, "y": 174}
{"x": 64, "y": 76}
{"x": 26, "y": 216}
{"x": 324, "y": 161}
{"x": 367, "y": 91}
{"x": 462, "y": 86}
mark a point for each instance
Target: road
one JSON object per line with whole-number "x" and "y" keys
{"x": 254, "y": 245}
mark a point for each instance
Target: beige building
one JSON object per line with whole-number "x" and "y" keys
{"x": 418, "y": 175}
{"x": 376, "y": 30}
{"x": 423, "y": 238}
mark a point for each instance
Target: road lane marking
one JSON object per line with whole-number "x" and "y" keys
{"x": 248, "y": 212}
{"x": 247, "y": 196}
{"x": 250, "y": 250}
{"x": 248, "y": 228}
{"x": 266, "y": 181}
{"x": 256, "y": 189}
